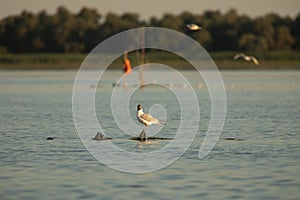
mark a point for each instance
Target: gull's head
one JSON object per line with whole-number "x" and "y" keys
{"x": 139, "y": 107}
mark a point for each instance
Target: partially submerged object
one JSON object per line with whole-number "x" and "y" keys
{"x": 233, "y": 139}
{"x": 101, "y": 136}
{"x": 142, "y": 137}
{"x": 150, "y": 138}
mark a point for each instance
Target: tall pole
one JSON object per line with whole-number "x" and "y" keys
{"x": 142, "y": 59}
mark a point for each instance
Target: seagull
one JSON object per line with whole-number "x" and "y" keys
{"x": 247, "y": 58}
{"x": 146, "y": 119}
{"x": 193, "y": 27}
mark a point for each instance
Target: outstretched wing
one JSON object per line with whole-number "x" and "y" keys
{"x": 255, "y": 61}
{"x": 239, "y": 55}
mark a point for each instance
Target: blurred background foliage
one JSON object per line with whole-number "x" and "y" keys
{"x": 66, "y": 32}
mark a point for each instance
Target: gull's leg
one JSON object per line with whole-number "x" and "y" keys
{"x": 145, "y": 131}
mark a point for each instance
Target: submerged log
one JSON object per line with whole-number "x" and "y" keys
{"x": 142, "y": 137}
{"x": 233, "y": 139}
{"x": 150, "y": 138}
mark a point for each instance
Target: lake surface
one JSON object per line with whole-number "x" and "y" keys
{"x": 256, "y": 157}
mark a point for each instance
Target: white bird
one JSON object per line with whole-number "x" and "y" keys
{"x": 146, "y": 119}
{"x": 193, "y": 27}
{"x": 246, "y": 58}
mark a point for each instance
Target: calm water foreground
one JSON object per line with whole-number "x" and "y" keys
{"x": 256, "y": 157}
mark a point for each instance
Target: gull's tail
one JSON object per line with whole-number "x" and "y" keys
{"x": 157, "y": 121}
{"x": 161, "y": 122}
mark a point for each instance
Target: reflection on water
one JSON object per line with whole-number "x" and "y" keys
{"x": 261, "y": 160}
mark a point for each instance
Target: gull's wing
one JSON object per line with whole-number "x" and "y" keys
{"x": 193, "y": 27}
{"x": 148, "y": 118}
{"x": 239, "y": 55}
{"x": 255, "y": 61}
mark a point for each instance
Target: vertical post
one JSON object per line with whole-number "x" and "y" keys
{"x": 142, "y": 58}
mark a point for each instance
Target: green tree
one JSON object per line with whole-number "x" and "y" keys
{"x": 283, "y": 38}
{"x": 171, "y": 21}
{"x": 112, "y": 25}
{"x": 19, "y": 32}
{"x": 251, "y": 42}
{"x": 223, "y": 31}
{"x": 295, "y": 31}
{"x": 86, "y": 28}
{"x": 64, "y": 31}
{"x": 263, "y": 28}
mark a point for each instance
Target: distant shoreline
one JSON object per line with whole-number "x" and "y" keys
{"x": 280, "y": 60}
{"x": 62, "y": 67}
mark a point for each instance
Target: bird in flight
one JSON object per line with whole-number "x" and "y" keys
{"x": 246, "y": 58}
{"x": 146, "y": 119}
{"x": 193, "y": 27}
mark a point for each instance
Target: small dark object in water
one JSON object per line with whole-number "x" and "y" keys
{"x": 142, "y": 137}
{"x": 233, "y": 139}
{"x": 116, "y": 84}
{"x": 138, "y": 138}
{"x": 150, "y": 138}
{"x": 50, "y": 138}
{"x": 100, "y": 136}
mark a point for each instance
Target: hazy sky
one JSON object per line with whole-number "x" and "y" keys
{"x": 149, "y": 8}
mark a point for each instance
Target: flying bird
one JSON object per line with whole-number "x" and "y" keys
{"x": 146, "y": 119}
{"x": 193, "y": 27}
{"x": 246, "y": 58}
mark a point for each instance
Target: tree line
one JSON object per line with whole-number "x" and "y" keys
{"x": 64, "y": 31}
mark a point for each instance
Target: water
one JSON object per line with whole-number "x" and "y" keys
{"x": 262, "y": 160}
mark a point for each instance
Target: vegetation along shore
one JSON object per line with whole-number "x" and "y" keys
{"x": 62, "y": 40}
{"x": 224, "y": 60}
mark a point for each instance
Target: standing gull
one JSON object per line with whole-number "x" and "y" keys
{"x": 246, "y": 58}
{"x": 146, "y": 119}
